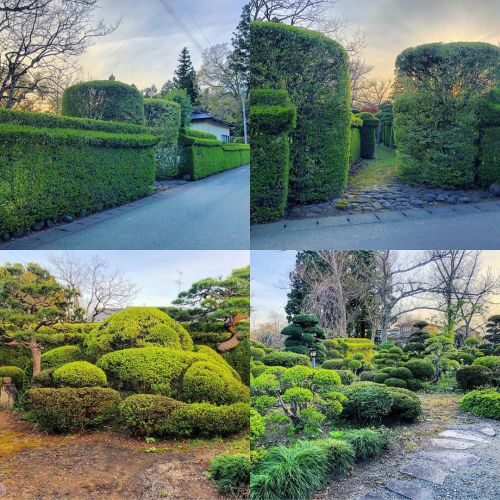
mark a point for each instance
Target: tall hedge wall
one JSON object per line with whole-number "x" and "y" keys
{"x": 104, "y": 100}
{"x": 355, "y": 140}
{"x": 272, "y": 118}
{"x": 435, "y": 111}
{"x": 203, "y": 157}
{"x": 163, "y": 117}
{"x": 368, "y": 130}
{"x": 48, "y": 172}
{"x": 314, "y": 71}
{"x": 489, "y": 115}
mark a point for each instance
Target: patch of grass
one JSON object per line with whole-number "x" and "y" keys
{"x": 381, "y": 171}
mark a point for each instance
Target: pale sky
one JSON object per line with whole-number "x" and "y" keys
{"x": 154, "y": 272}
{"x": 270, "y": 271}
{"x": 145, "y": 47}
{"x": 391, "y": 26}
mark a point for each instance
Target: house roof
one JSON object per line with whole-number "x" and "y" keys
{"x": 204, "y": 116}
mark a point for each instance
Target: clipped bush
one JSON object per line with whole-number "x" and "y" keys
{"x": 414, "y": 385}
{"x": 487, "y": 361}
{"x": 367, "y": 402}
{"x": 272, "y": 118}
{"x": 320, "y": 142}
{"x": 367, "y": 376}
{"x": 485, "y": 403}
{"x": 79, "y": 374}
{"x": 286, "y": 359}
{"x": 231, "y": 473}
{"x": 405, "y": 406}
{"x": 44, "y": 378}
{"x": 62, "y": 355}
{"x": 137, "y": 327}
{"x": 421, "y": 370}
{"x": 15, "y": 373}
{"x": 340, "y": 454}
{"x": 113, "y": 168}
{"x": 370, "y": 125}
{"x": 355, "y": 365}
{"x": 380, "y": 377}
{"x": 333, "y": 364}
{"x": 395, "y": 382}
{"x": 181, "y": 97}
{"x": 163, "y": 117}
{"x": 257, "y": 425}
{"x": 346, "y": 376}
{"x": 72, "y": 409}
{"x": 104, "y": 100}
{"x": 355, "y": 140}
{"x": 257, "y": 353}
{"x": 489, "y": 114}
{"x": 473, "y": 377}
{"x": 402, "y": 373}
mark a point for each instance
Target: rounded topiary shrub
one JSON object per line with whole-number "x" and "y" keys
{"x": 286, "y": 359}
{"x": 333, "y": 364}
{"x": 367, "y": 402}
{"x": 465, "y": 358}
{"x": 402, "y": 373}
{"x": 395, "y": 382}
{"x": 79, "y": 374}
{"x": 406, "y": 406}
{"x": 472, "y": 377}
{"x": 485, "y": 403}
{"x": 413, "y": 384}
{"x": 370, "y": 125}
{"x": 104, "y": 100}
{"x": 488, "y": 361}
{"x": 137, "y": 327}
{"x": 320, "y": 142}
{"x": 62, "y": 355}
{"x": 355, "y": 365}
{"x": 380, "y": 377}
{"x": 15, "y": 373}
{"x": 367, "y": 376}
{"x": 422, "y": 370}
{"x": 72, "y": 409}
{"x": 347, "y": 377}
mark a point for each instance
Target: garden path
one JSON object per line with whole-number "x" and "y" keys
{"x": 101, "y": 465}
{"x": 448, "y": 455}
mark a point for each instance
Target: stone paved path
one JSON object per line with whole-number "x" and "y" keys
{"x": 439, "y": 471}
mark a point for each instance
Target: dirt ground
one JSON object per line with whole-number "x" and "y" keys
{"x": 102, "y": 465}
{"x": 439, "y": 411}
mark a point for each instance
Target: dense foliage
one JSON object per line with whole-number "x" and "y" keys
{"x": 370, "y": 125}
{"x": 303, "y": 335}
{"x": 485, "y": 403}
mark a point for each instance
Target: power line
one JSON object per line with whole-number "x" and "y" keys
{"x": 186, "y": 8}
{"x": 180, "y": 24}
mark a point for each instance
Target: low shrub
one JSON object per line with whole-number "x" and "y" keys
{"x": 395, "y": 382}
{"x": 380, "y": 377}
{"x": 72, "y": 409}
{"x": 473, "y": 377}
{"x": 367, "y": 443}
{"x": 488, "y": 361}
{"x": 290, "y": 472}
{"x": 367, "y": 402}
{"x": 465, "y": 358}
{"x": 406, "y": 406}
{"x": 79, "y": 374}
{"x": 257, "y": 353}
{"x": 231, "y": 473}
{"x": 286, "y": 359}
{"x": 346, "y": 376}
{"x": 355, "y": 365}
{"x": 414, "y": 385}
{"x": 62, "y": 355}
{"x": 333, "y": 364}
{"x": 485, "y": 403}
{"x": 340, "y": 454}
{"x": 368, "y": 376}
{"x": 257, "y": 426}
{"x": 44, "y": 378}
{"x": 421, "y": 370}
{"x": 402, "y": 373}
{"x": 15, "y": 373}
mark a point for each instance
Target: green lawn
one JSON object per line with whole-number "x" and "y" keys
{"x": 380, "y": 171}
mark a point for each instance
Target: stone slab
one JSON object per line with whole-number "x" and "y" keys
{"x": 450, "y": 444}
{"x": 371, "y": 496}
{"x": 425, "y": 472}
{"x": 409, "y": 490}
{"x": 451, "y": 458}
{"x": 463, "y": 435}
{"x": 487, "y": 431}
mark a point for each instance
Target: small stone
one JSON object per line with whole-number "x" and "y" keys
{"x": 488, "y": 431}
{"x": 452, "y": 458}
{"x": 371, "y": 496}
{"x": 431, "y": 474}
{"x": 495, "y": 189}
{"x": 67, "y": 218}
{"x": 38, "y": 226}
{"x": 464, "y": 199}
{"x": 409, "y": 490}
{"x": 442, "y": 198}
{"x": 452, "y": 444}
{"x": 2, "y": 490}
{"x": 462, "y": 435}
{"x": 49, "y": 224}
{"x": 186, "y": 178}
{"x": 83, "y": 213}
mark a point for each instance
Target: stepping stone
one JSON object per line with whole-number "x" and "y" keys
{"x": 431, "y": 474}
{"x": 452, "y": 458}
{"x": 463, "y": 435}
{"x": 488, "y": 431}
{"x": 371, "y": 496}
{"x": 451, "y": 444}
{"x": 409, "y": 490}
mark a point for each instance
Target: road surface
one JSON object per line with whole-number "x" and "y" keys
{"x": 444, "y": 227}
{"x": 212, "y": 213}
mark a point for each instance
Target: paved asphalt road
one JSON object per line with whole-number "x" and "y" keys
{"x": 445, "y": 227}
{"x": 212, "y": 213}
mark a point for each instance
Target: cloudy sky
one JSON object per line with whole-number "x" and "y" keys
{"x": 269, "y": 283}
{"x": 145, "y": 47}
{"x": 154, "y": 272}
{"x": 393, "y": 25}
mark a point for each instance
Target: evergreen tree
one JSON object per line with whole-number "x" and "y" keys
{"x": 418, "y": 337}
{"x": 185, "y": 76}
{"x": 240, "y": 58}
{"x": 304, "y": 334}
{"x": 493, "y": 330}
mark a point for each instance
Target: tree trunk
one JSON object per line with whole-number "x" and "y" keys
{"x": 36, "y": 353}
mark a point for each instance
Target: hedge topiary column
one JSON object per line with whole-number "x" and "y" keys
{"x": 272, "y": 118}
{"x": 314, "y": 71}
{"x": 370, "y": 125}
{"x": 104, "y": 100}
{"x": 489, "y": 168}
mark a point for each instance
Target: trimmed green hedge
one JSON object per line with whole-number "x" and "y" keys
{"x": 46, "y": 173}
{"x": 485, "y": 403}
{"x": 15, "y": 373}
{"x": 272, "y": 118}
{"x": 62, "y": 355}
{"x": 314, "y": 70}
{"x": 355, "y": 139}
{"x": 104, "y": 100}
{"x": 163, "y": 117}
{"x": 489, "y": 112}
{"x": 370, "y": 125}
{"x": 202, "y": 156}
{"x": 79, "y": 374}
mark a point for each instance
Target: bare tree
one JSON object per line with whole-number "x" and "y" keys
{"x": 305, "y": 13}
{"x": 374, "y": 92}
{"x": 37, "y": 41}
{"x": 269, "y": 333}
{"x": 100, "y": 287}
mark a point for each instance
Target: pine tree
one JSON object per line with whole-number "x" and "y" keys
{"x": 185, "y": 76}
{"x": 303, "y": 335}
{"x": 493, "y": 330}
{"x": 240, "y": 58}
